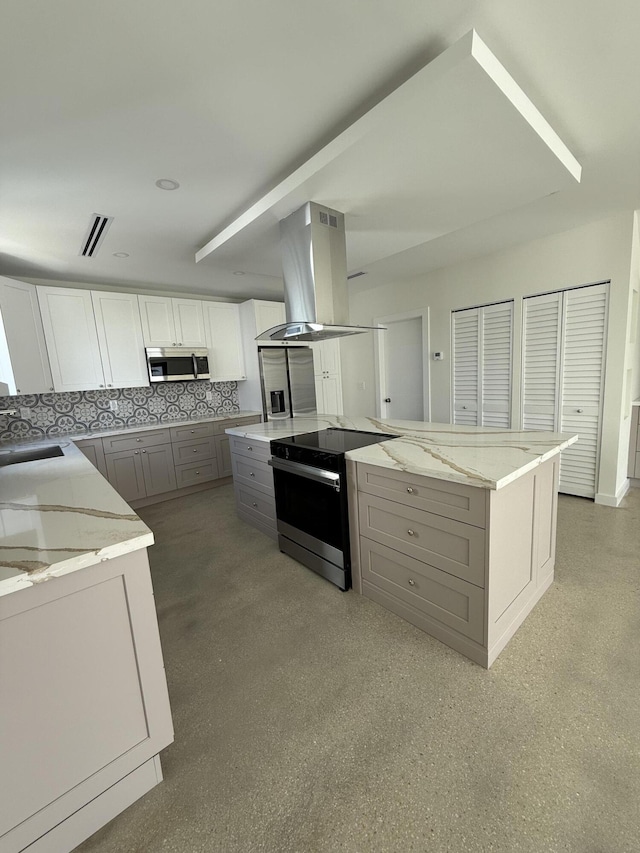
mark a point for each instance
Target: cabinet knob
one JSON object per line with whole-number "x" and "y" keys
{"x": 195, "y": 449}
{"x": 411, "y": 533}
{"x": 180, "y": 344}
{"x": 135, "y": 452}
{"x": 51, "y": 389}
{"x": 101, "y": 386}
{"x": 249, "y": 447}
{"x": 193, "y": 430}
{"x": 173, "y": 344}
{"x": 251, "y": 474}
{"x": 17, "y": 390}
{"x": 109, "y": 386}
{"x": 197, "y": 472}
{"x": 410, "y": 490}
{"x": 412, "y": 582}
{"x": 254, "y": 504}
{"x": 580, "y": 410}
{"x": 464, "y": 407}
{"x": 144, "y": 451}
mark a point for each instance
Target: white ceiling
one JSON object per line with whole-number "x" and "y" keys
{"x": 99, "y": 100}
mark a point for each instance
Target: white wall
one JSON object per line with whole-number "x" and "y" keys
{"x": 597, "y": 252}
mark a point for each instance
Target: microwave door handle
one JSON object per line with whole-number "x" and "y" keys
{"x": 195, "y": 364}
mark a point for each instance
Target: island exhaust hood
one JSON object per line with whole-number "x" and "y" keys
{"x": 314, "y": 266}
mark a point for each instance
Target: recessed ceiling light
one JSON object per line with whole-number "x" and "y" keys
{"x": 120, "y": 254}
{"x": 238, "y": 272}
{"x": 167, "y": 184}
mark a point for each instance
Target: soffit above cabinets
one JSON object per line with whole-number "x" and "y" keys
{"x": 456, "y": 144}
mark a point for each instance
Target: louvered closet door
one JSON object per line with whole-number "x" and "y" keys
{"x": 541, "y": 362}
{"x": 583, "y": 361}
{"x": 466, "y": 366}
{"x": 495, "y": 366}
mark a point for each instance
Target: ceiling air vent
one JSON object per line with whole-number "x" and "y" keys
{"x": 356, "y": 275}
{"x": 96, "y": 232}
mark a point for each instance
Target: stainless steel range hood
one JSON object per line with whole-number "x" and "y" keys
{"x": 314, "y": 265}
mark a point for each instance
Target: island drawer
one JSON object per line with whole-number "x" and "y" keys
{"x": 451, "y": 601}
{"x": 182, "y": 433}
{"x": 256, "y": 503}
{"x": 196, "y": 472}
{"x": 441, "y": 497}
{"x": 228, "y": 423}
{"x": 448, "y": 545}
{"x": 193, "y": 451}
{"x": 131, "y": 440}
{"x": 253, "y": 473}
{"x": 255, "y": 449}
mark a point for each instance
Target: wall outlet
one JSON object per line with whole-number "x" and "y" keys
{"x": 113, "y": 405}
{"x": 208, "y": 396}
{"x": 361, "y": 386}
{"x": 25, "y": 413}
{"x": 438, "y": 356}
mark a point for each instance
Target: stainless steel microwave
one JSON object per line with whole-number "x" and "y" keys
{"x": 177, "y": 364}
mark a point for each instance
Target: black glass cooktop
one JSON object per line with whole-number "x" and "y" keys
{"x": 333, "y": 440}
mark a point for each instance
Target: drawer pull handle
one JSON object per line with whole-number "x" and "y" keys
{"x": 412, "y": 582}
{"x": 251, "y": 474}
{"x": 249, "y": 447}
{"x": 410, "y": 490}
{"x": 411, "y": 532}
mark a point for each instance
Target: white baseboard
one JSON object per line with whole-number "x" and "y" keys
{"x": 613, "y": 500}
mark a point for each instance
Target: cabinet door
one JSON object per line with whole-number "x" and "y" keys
{"x": 326, "y": 356}
{"x": 332, "y": 395}
{"x": 72, "y": 338}
{"x": 31, "y": 372}
{"x": 120, "y": 339}
{"x": 268, "y": 314}
{"x": 223, "y": 455}
{"x": 158, "y": 327}
{"x": 224, "y": 341}
{"x": 125, "y": 473}
{"x": 189, "y": 322}
{"x": 541, "y": 361}
{"x": 159, "y": 470}
{"x": 466, "y": 366}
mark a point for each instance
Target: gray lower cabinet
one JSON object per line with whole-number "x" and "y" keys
{"x": 223, "y": 454}
{"x": 94, "y": 451}
{"x": 253, "y": 484}
{"x": 147, "y": 464}
{"x": 85, "y": 709}
{"x": 462, "y": 563}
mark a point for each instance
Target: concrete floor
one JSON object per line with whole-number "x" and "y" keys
{"x": 307, "y": 719}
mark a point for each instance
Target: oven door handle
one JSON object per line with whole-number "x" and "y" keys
{"x": 318, "y": 475}
{"x": 195, "y": 364}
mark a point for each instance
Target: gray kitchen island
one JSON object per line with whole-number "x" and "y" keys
{"x": 451, "y": 527}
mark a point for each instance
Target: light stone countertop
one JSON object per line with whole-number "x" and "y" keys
{"x": 59, "y": 515}
{"x": 476, "y": 456}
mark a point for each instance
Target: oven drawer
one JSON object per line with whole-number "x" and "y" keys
{"x": 260, "y": 450}
{"x": 451, "y": 500}
{"x": 453, "y": 602}
{"x": 135, "y": 440}
{"x": 193, "y": 431}
{"x": 253, "y": 473}
{"x": 193, "y": 451}
{"x": 451, "y": 546}
{"x": 193, "y": 473}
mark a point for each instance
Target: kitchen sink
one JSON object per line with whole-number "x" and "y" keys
{"x": 13, "y": 457}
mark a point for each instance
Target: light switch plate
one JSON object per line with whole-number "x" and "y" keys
{"x": 25, "y": 413}
{"x": 208, "y": 396}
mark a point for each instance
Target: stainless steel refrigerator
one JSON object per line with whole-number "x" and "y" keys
{"x": 287, "y": 381}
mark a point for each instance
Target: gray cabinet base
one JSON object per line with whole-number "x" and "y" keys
{"x": 180, "y": 493}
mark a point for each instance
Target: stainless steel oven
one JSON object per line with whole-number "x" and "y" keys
{"x": 177, "y": 364}
{"x": 309, "y": 476}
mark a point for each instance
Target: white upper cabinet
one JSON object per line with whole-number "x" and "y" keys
{"x": 168, "y": 322}
{"x": 120, "y": 339}
{"x": 72, "y": 338}
{"x": 268, "y": 314}
{"x": 224, "y": 341}
{"x": 28, "y": 370}
{"x": 328, "y": 379}
{"x": 326, "y": 356}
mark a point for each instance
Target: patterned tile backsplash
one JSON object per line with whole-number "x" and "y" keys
{"x": 81, "y": 411}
